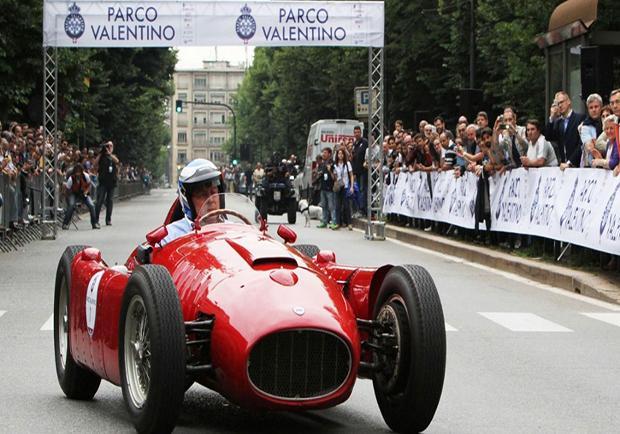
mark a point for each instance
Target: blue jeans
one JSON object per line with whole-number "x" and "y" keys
{"x": 86, "y": 200}
{"x": 329, "y": 208}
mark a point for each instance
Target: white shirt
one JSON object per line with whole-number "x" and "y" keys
{"x": 341, "y": 173}
{"x": 542, "y": 149}
{"x": 177, "y": 229}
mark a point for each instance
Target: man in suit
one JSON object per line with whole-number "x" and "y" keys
{"x": 562, "y": 129}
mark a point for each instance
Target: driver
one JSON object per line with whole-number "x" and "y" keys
{"x": 198, "y": 181}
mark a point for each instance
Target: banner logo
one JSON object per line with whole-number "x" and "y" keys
{"x": 74, "y": 23}
{"x": 245, "y": 25}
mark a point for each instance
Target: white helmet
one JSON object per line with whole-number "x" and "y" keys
{"x": 197, "y": 172}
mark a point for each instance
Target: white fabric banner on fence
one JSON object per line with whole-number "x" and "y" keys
{"x": 576, "y": 206}
{"x": 161, "y": 23}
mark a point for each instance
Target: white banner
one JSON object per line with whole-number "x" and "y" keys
{"x": 576, "y": 206}
{"x": 161, "y": 23}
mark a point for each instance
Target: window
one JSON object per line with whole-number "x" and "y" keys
{"x": 182, "y": 137}
{"x": 182, "y": 157}
{"x": 231, "y": 98}
{"x": 182, "y": 81}
{"x": 199, "y": 138}
{"x": 200, "y": 153}
{"x": 217, "y": 118}
{"x": 234, "y": 80}
{"x": 182, "y": 96}
{"x": 200, "y": 81}
{"x": 218, "y": 97}
{"x": 217, "y": 138}
{"x": 200, "y": 97}
{"x": 218, "y": 81}
{"x": 200, "y": 118}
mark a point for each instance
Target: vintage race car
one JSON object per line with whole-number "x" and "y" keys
{"x": 269, "y": 325}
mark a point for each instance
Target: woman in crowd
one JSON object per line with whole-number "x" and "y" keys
{"x": 610, "y": 159}
{"x": 344, "y": 178}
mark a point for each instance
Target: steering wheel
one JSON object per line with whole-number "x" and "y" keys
{"x": 222, "y": 212}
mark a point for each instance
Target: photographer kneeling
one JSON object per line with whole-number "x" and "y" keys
{"x": 78, "y": 188}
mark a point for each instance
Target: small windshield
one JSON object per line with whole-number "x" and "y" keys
{"x": 229, "y": 208}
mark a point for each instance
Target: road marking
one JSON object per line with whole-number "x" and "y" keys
{"x": 515, "y": 277}
{"x": 2, "y": 312}
{"x": 449, "y": 328}
{"x": 523, "y": 322}
{"x": 609, "y": 318}
{"x": 49, "y": 324}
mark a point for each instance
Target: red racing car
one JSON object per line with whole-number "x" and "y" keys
{"x": 268, "y": 325}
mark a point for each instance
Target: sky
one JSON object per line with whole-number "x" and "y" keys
{"x": 192, "y": 57}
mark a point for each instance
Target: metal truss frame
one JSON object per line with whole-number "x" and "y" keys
{"x": 49, "y": 189}
{"x": 375, "y": 229}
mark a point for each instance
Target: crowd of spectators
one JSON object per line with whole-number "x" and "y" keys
{"x": 23, "y": 149}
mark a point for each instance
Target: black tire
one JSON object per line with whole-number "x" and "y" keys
{"x": 408, "y": 395}
{"x": 309, "y": 250}
{"x": 151, "y": 292}
{"x": 76, "y": 382}
{"x": 292, "y": 212}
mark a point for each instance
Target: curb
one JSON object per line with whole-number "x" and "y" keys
{"x": 580, "y": 282}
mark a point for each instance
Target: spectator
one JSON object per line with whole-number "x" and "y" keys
{"x": 326, "y": 177}
{"x": 590, "y": 129}
{"x": 440, "y": 125}
{"x": 562, "y": 128}
{"x": 360, "y": 146}
{"x": 510, "y": 138}
{"x": 610, "y": 161}
{"x": 482, "y": 120}
{"x": 540, "y": 152}
{"x": 257, "y": 175}
{"x": 344, "y": 177}
{"x": 107, "y": 164}
{"x": 78, "y": 189}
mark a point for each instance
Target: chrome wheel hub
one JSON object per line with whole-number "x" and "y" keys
{"x": 137, "y": 346}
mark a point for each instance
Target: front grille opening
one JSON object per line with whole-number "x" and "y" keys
{"x": 299, "y": 364}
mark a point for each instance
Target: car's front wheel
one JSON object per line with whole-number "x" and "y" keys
{"x": 409, "y": 382}
{"x": 76, "y": 382}
{"x": 152, "y": 350}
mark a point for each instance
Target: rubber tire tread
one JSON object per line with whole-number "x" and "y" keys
{"x": 413, "y": 411}
{"x": 167, "y": 335}
{"x": 76, "y": 382}
{"x": 309, "y": 250}
{"x": 292, "y": 212}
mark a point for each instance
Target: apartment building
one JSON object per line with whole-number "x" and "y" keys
{"x": 200, "y": 131}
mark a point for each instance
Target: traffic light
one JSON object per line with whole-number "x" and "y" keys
{"x": 179, "y": 105}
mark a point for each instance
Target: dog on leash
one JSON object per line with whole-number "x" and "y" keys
{"x": 309, "y": 211}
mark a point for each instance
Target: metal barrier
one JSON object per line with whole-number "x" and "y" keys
{"x": 21, "y": 213}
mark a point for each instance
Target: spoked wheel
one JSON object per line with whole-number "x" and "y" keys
{"x": 152, "y": 350}
{"x": 75, "y": 381}
{"x": 411, "y": 364}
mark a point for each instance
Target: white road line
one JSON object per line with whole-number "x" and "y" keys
{"x": 449, "y": 328}
{"x": 49, "y": 324}
{"x": 609, "y": 318}
{"x": 515, "y": 277}
{"x": 523, "y": 322}
{"x": 2, "y": 312}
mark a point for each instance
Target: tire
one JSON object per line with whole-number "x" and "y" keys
{"x": 292, "y": 212}
{"x": 76, "y": 382}
{"x": 409, "y": 386}
{"x": 152, "y": 302}
{"x": 309, "y": 250}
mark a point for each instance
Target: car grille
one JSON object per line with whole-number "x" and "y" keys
{"x": 299, "y": 364}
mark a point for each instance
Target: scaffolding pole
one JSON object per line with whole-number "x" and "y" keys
{"x": 375, "y": 229}
{"x": 49, "y": 189}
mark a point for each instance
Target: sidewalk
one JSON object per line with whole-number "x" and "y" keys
{"x": 581, "y": 282}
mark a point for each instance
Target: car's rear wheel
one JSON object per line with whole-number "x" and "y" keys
{"x": 292, "y": 211}
{"x": 409, "y": 383}
{"x": 152, "y": 350}
{"x": 76, "y": 382}
{"x": 307, "y": 249}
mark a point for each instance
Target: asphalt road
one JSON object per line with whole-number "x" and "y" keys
{"x": 522, "y": 357}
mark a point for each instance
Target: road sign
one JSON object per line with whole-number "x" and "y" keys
{"x": 362, "y": 97}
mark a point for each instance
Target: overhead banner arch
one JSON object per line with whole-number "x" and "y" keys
{"x": 176, "y": 23}
{"x": 205, "y": 23}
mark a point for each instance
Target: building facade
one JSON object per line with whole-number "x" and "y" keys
{"x": 200, "y": 131}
